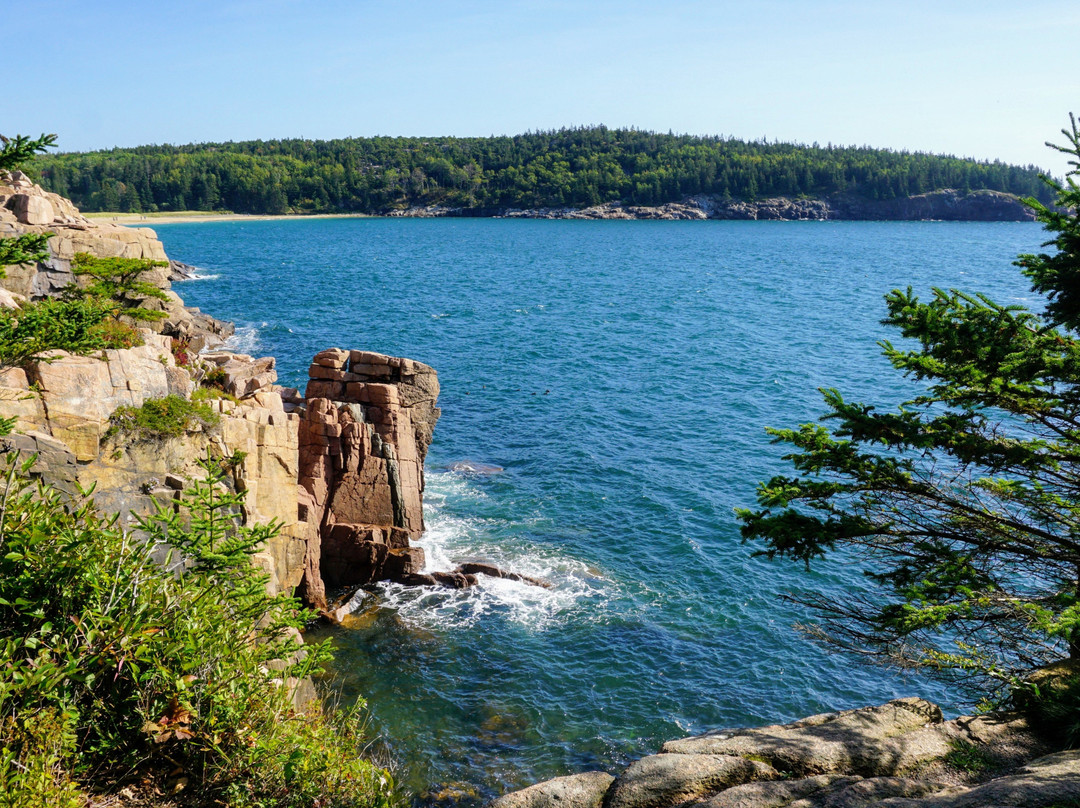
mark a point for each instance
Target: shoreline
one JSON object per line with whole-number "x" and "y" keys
{"x": 144, "y": 220}
{"x": 943, "y": 205}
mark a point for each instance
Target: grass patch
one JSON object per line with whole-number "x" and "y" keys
{"x": 969, "y": 758}
{"x": 201, "y": 394}
{"x": 160, "y": 418}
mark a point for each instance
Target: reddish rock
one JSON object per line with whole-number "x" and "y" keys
{"x": 362, "y": 448}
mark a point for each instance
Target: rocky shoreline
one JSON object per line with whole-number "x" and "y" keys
{"x": 338, "y": 466}
{"x": 945, "y": 205}
{"x": 902, "y": 754}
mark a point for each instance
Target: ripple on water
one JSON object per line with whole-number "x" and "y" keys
{"x": 622, "y": 375}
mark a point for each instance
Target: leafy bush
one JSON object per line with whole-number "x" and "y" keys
{"x": 1054, "y": 709}
{"x": 212, "y": 393}
{"x": 78, "y": 326}
{"x": 181, "y": 351}
{"x": 116, "y": 667}
{"x": 160, "y": 418}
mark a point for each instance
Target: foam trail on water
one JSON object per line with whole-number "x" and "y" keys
{"x": 450, "y": 540}
{"x": 245, "y": 340}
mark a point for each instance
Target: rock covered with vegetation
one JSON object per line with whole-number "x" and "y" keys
{"x": 151, "y": 544}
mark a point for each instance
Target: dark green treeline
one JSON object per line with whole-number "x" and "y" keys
{"x": 568, "y": 167}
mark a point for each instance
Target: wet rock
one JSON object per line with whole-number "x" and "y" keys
{"x": 473, "y": 568}
{"x": 585, "y": 790}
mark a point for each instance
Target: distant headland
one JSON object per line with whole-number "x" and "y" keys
{"x": 591, "y": 172}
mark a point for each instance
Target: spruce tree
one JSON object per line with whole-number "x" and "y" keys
{"x": 964, "y": 503}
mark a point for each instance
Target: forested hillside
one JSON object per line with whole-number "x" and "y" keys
{"x": 568, "y": 167}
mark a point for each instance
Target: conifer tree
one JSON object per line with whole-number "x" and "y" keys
{"x": 15, "y": 152}
{"x": 964, "y": 503}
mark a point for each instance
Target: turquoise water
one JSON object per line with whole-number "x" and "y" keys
{"x": 621, "y": 374}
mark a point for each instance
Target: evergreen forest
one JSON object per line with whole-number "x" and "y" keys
{"x": 482, "y": 175}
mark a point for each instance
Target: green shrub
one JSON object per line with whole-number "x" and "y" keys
{"x": 160, "y": 418}
{"x": 78, "y": 326}
{"x": 212, "y": 393}
{"x": 1054, "y": 709}
{"x": 118, "y": 283}
{"x": 119, "y": 669}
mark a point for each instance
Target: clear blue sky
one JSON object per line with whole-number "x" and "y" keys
{"x": 988, "y": 79}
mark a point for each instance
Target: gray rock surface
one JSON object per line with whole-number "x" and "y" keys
{"x": 1053, "y": 780}
{"x": 575, "y": 791}
{"x": 870, "y": 741}
{"x": 671, "y": 779}
{"x": 948, "y": 205}
{"x": 898, "y": 755}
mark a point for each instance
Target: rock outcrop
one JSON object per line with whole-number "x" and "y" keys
{"x": 62, "y": 408}
{"x": 367, "y": 422}
{"x": 947, "y": 205}
{"x": 26, "y": 208}
{"x": 900, "y": 754}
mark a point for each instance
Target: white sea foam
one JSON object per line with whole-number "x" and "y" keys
{"x": 450, "y": 540}
{"x": 245, "y": 340}
{"x": 199, "y": 276}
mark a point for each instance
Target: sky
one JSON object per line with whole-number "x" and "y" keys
{"x": 993, "y": 79}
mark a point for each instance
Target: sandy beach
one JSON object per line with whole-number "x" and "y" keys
{"x": 151, "y": 219}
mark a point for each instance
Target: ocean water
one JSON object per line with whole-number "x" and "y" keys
{"x": 605, "y": 390}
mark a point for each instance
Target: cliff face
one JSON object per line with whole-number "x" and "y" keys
{"x": 368, "y": 422}
{"x": 340, "y": 471}
{"x": 27, "y": 208}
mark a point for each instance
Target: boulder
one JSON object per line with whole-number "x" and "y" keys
{"x": 31, "y": 209}
{"x": 670, "y": 779}
{"x": 243, "y": 375}
{"x": 882, "y": 740}
{"x": 584, "y": 790}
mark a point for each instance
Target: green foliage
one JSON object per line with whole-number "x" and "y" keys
{"x": 1057, "y": 275}
{"x": 965, "y": 502}
{"x": 23, "y": 249}
{"x": 119, "y": 282}
{"x": 969, "y": 758}
{"x": 116, "y": 666}
{"x": 572, "y": 167}
{"x": 17, "y": 151}
{"x": 78, "y": 326}
{"x": 32, "y": 247}
{"x": 1054, "y": 709}
{"x": 212, "y": 392}
{"x": 160, "y": 418}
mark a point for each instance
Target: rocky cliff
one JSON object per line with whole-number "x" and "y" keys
{"x": 27, "y": 208}
{"x": 340, "y": 470}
